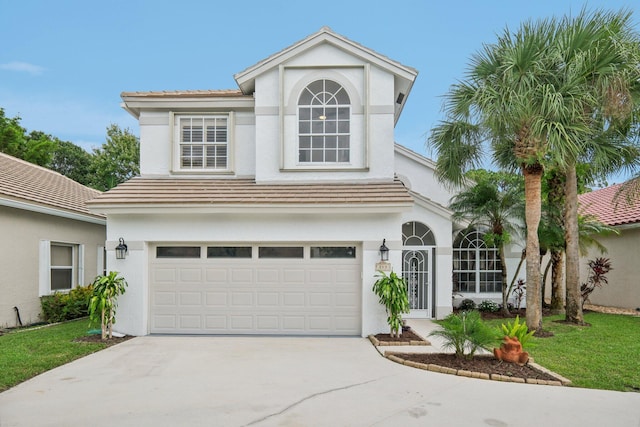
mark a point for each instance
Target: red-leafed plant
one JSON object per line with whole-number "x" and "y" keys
{"x": 599, "y": 268}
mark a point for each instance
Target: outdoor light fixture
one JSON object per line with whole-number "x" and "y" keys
{"x": 121, "y": 249}
{"x": 384, "y": 251}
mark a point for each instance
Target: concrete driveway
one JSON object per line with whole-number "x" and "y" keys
{"x": 273, "y": 381}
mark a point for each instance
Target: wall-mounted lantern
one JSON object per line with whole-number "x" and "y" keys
{"x": 121, "y": 249}
{"x": 384, "y": 251}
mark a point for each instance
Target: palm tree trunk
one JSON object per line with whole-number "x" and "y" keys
{"x": 574, "y": 298}
{"x": 557, "y": 300}
{"x": 532, "y": 193}
{"x": 505, "y": 287}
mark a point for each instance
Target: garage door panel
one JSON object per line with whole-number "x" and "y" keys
{"x": 216, "y": 299}
{"x": 218, "y": 275}
{"x": 191, "y": 275}
{"x": 253, "y": 296}
{"x": 190, "y": 298}
{"x": 268, "y": 299}
{"x": 242, "y": 275}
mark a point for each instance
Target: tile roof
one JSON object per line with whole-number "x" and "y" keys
{"x": 222, "y": 93}
{"x": 212, "y": 192}
{"x": 25, "y": 182}
{"x": 609, "y": 210}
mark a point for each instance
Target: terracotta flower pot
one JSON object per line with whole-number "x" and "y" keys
{"x": 511, "y": 351}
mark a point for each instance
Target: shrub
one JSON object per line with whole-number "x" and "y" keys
{"x": 517, "y": 330}
{"x": 66, "y": 306}
{"x": 467, "y": 305}
{"x": 465, "y": 333}
{"x": 488, "y": 306}
{"x": 599, "y": 268}
{"x": 392, "y": 293}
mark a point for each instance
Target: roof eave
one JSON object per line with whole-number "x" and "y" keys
{"x": 95, "y": 218}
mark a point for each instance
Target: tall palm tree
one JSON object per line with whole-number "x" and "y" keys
{"x": 597, "y": 59}
{"x": 537, "y": 96}
{"x": 494, "y": 203}
{"x": 505, "y": 101}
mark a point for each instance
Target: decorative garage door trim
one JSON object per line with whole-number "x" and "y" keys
{"x": 312, "y": 289}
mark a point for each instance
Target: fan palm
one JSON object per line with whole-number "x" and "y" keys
{"x": 495, "y": 204}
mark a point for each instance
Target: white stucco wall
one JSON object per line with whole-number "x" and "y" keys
{"x": 139, "y": 231}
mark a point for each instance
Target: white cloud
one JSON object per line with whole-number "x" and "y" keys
{"x": 23, "y": 67}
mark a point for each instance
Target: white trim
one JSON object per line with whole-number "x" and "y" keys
{"x": 80, "y": 267}
{"x": 51, "y": 211}
{"x": 44, "y": 272}
{"x": 100, "y": 265}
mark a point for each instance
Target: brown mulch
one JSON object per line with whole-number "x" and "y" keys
{"x": 407, "y": 336}
{"x": 483, "y": 364}
{"x": 98, "y": 339}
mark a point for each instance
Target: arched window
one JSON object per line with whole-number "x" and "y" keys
{"x": 476, "y": 267}
{"x": 324, "y": 114}
{"x": 417, "y": 234}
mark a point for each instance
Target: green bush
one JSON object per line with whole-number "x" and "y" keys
{"x": 66, "y": 306}
{"x": 488, "y": 306}
{"x": 465, "y": 333}
{"x": 467, "y": 305}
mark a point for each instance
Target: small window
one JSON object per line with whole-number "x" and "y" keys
{"x": 178, "y": 252}
{"x": 333, "y": 252}
{"x": 229, "y": 252}
{"x": 202, "y": 142}
{"x": 280, "y": 252}
{"x": 62, "y": 267}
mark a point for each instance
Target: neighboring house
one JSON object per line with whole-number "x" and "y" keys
{"x": 262, "y": 210}
{"x": 623, "y": 289}
{"x": 50, "y": 240}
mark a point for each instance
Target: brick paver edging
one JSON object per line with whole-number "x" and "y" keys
{"x": 480, "y": 375}
{"x": 377, "y": 343}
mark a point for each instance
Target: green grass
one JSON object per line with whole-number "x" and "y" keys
{"x": 605, "y": 355}
{"x": 28, "y": 352}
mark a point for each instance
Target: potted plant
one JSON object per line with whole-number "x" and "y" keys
{"x": 102, "y": 305}
{"x": 392, "y": 293}
{"x": 516, "y": 336}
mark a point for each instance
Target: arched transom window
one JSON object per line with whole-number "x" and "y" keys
{"x": 417, "y": 234}
{"x": 324, "y": 112}
{"x": 476, "y": 267}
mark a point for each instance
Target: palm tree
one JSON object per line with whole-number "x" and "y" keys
{"x": 505, "y": 100}
{"x": 536, "y": 96}
{"x": 597, "y": 59}
{"x": 495, "y": 204}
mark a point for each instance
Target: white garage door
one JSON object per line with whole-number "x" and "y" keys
{"x": 258, "y": 289}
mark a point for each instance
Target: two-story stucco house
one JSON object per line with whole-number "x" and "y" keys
{"x": 262, "y": 210}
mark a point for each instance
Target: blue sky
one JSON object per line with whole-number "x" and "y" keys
{"x": 63, "y": 64}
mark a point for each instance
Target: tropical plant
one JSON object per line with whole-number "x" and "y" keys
{"x": 517, "y": 329}
{"x": 553, "y": 92}
{"x": 392, "y": 292}
{"x": 465, "y": 333}
{"x": 494, "y": 203}
{"x": 598, "y": 270}
{"x": 102, "y": 305}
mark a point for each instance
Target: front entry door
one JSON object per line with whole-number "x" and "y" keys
{"x": 417, "y": 270}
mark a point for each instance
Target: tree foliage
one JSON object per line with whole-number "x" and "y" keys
{"x": 73, "y": 162}
{"x": 117, "y": 160}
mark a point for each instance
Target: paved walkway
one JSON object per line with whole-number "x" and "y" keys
{"x": 286, "y": 381}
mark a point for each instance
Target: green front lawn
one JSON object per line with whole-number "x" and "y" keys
{"x": 605, "y": 355}
{"x": 28, "y": 352}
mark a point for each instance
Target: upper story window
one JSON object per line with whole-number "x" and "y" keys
{"x": 203, "y": 142}
{"x": 324, "y": 115}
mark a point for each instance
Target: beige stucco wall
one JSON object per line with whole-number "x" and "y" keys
{"x": 21, "y": 233}
{"x": 623, "y": 289}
